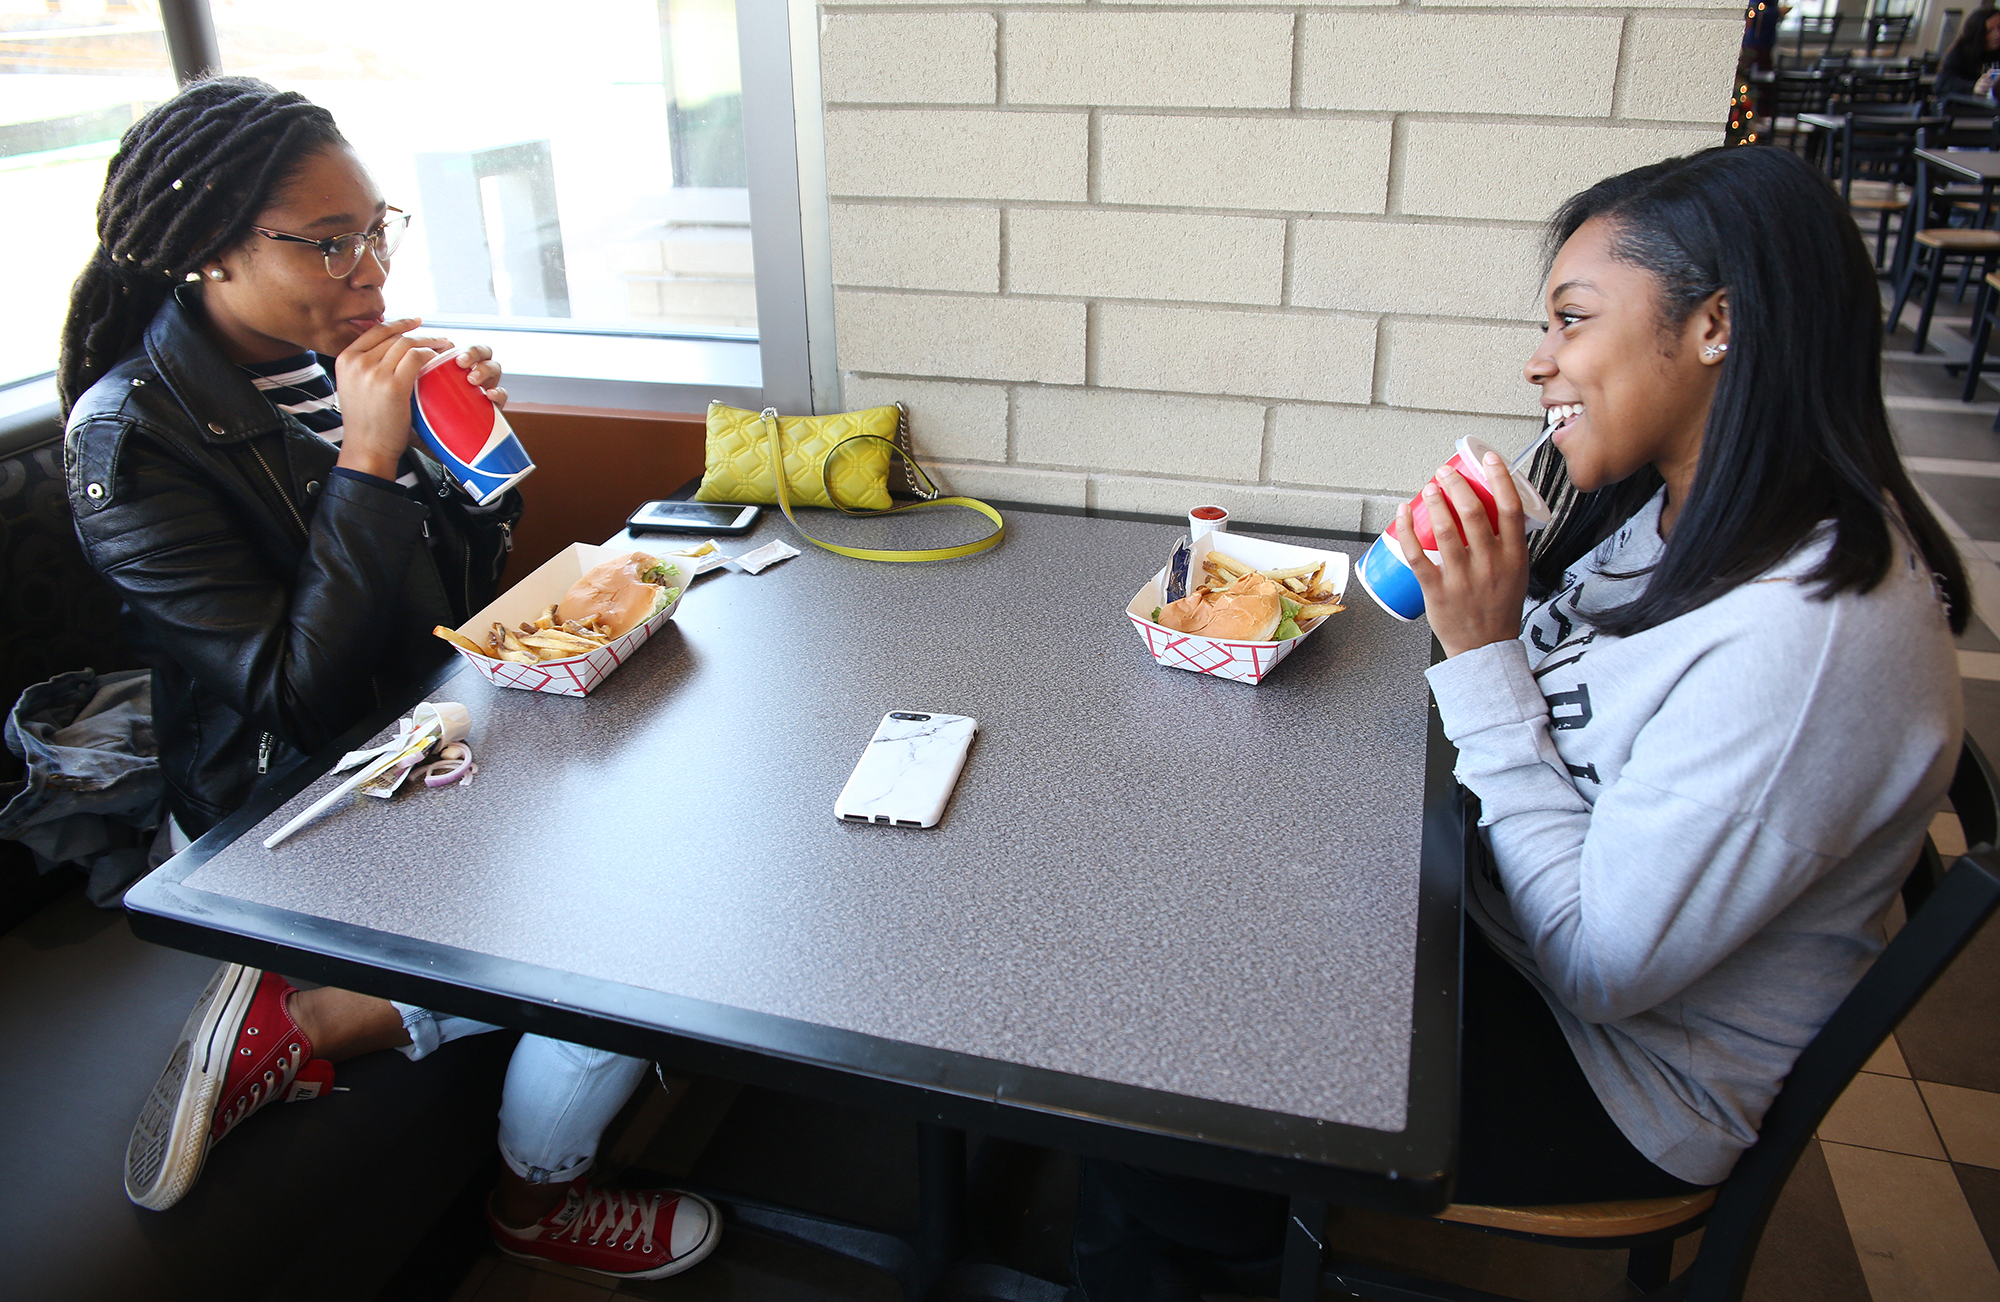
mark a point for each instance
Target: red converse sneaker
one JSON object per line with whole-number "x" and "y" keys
{"x": 239, "y": 1050}
{"x": 629, "y": 1233}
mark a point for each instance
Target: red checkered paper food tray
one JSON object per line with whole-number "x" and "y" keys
{"x": 574, "y": 675}
{"x": 1245, "y": 662}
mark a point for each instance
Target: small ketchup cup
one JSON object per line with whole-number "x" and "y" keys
{"x": 1207, "y": 519}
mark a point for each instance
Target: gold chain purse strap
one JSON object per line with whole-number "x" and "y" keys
{"x": 928, "y": 491}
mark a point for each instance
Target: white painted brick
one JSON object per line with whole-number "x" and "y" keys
{"x": 960, "y": 338}
{"x": 1145, "y": 255}
{"x": 948, "y": 421}
{"x": 1383, "y": 449}
{"x": 1417, "y": 270}
{"x": 1523, "y": 171}
{"x": 1110, "y": 429}
{"x": 906, "y": 246}
{"x": 919, "y": 154}
{"x": 907, "y": 58}
{"x": 1275, "y": 164}
{"x": 1013, "y": 484}
{"x": 1247, "y": 505}
{"x": 1562, "y": 66}
{"x": 1679, "y": 69}
{"x": 1175, "y": 60}
{"x": 1454, "y": 366}
{"x": 1247, "y": 354}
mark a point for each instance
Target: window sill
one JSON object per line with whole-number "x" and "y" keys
{"x": 626, "y": 372}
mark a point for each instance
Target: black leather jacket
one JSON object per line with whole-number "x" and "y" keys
{"x": 278, "y": 603}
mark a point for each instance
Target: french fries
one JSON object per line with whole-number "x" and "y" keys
{"x": 542, "y": 638}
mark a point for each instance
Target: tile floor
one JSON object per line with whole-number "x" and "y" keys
{"x": 1898, "y": 1201}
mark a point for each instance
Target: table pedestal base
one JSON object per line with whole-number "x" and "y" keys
{"x": 930, "y": 1264}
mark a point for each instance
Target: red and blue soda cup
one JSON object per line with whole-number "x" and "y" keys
{"x": 1383, "y": 572}
{"x": 465, "y": 431}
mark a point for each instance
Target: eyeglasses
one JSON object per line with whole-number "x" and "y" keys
{"x": 343, "y": 252}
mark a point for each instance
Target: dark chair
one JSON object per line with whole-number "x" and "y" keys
{"x": 1889, "y": 30}
{"x": 1929, "y": 257}
{"x": 1880, "y": 152}
{"x": 1815, "y": 32}
{"x": 1985, "y": 312}
{"x": 1945, "y": 909}
{"x": 1792, "y": 93}
{"x": 1870, "y": 90}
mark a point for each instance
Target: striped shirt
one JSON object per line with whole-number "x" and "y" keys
{"x": 301, "y": 387}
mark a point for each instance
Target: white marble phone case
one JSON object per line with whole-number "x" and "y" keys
{"x": 907, "y": 773}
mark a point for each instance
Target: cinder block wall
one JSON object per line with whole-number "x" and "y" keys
{"x": 1279, "y": 256}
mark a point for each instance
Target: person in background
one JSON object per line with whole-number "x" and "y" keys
{"x": 283, "y": 550}
{"x": 1708, "y": 712}
{"x": 1963, "y": 69}
{"x": 1760, "y": 35}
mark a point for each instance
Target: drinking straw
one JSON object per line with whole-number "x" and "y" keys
{"x": 421, "y": 741}
{"x": 1529, "y": 451}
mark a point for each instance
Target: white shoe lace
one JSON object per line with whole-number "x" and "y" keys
{"x": 608, "y": 1213}
{"x": 271, "y": 1084}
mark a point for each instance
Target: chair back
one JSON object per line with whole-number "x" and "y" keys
{"x": 1949, "y": 908}
{"x": 1887, "y": 29}
{"x": 1796, "y": 92}
{"x": 1876, "y": 88}
{"x": 1881, "y": 149}
{"x": 1814, "y": 31}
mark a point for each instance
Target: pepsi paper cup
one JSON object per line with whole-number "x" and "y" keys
{"x": 1387, "y": 577}
{"x": 464, "y": 430}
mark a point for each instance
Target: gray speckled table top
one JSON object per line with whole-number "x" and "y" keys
{"x": 1146, "y": 876}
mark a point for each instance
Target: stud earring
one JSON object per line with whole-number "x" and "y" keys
{"x": 217, "y": 273}
{"x": 1714, "y": 351}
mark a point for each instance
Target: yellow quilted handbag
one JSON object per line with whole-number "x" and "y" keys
{"x": 841, "y": 461}
{"x": 739, "y": 459}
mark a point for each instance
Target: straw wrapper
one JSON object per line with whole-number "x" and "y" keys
{"x": 430, "y": 725}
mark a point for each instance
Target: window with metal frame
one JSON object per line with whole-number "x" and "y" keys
{"x": 624, "y": 198}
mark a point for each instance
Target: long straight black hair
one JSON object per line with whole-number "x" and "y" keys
{"x": 1968, "y": 53}
{"x": 1796, "y": 434}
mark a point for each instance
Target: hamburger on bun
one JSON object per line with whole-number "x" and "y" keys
{"x": 624, "y": 591}
{"x": 1248, "y": 610}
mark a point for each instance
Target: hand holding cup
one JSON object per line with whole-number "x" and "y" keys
{"x": 1474, "y": 591}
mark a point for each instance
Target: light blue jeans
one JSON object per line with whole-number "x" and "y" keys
{"x": 558, "y": 1099}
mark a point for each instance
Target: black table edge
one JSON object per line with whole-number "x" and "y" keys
{"x": 1407, "y": 1171}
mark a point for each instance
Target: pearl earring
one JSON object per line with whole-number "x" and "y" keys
{"x": 1714, "y": 351}
{"x": 217, "y": 273}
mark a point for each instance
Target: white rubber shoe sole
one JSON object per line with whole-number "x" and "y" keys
{"x": 170, "y": 1140}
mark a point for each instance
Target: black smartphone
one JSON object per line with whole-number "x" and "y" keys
{"x": 693, "y": 517}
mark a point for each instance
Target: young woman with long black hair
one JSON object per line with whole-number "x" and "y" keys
{"x": 283, "y": 551}
{"x": 1708, "y": 712}
{"x": 1962, "y": 70}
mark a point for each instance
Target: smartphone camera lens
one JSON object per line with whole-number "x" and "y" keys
{"x": 914, "y": 718}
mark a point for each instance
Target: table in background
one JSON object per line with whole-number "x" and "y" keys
{"x": 1168, "y": 918}
{"x": 1979, "y": 166}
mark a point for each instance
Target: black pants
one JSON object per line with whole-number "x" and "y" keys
{"x": 1531, "y": 1132}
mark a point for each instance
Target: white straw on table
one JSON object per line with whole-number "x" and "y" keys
{"x": 363, "y": 774}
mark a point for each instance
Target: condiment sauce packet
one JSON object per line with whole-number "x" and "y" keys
{"x": 766, "y": 556}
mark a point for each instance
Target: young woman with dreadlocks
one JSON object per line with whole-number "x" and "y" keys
{"x": 283, "y": 550}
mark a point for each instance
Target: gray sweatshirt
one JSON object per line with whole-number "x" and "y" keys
{"x": 1698, "y": 829}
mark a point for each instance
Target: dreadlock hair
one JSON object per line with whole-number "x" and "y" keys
{"x": 1796, "y": 434}
{"x": 187, "y": 181}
